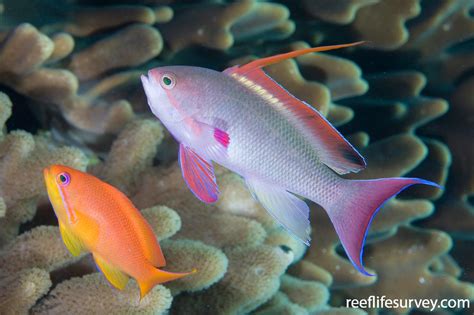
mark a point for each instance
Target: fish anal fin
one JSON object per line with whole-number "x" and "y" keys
{"x": 331, "y": 147}
{"x": 72, "y": 242}
{"x": 198, "y": 174}
{"x": 116, "y": 277}
{"x": 290, "y": 211}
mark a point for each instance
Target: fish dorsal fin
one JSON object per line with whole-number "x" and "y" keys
{"x": 290, "y": 211}
{"x": 72, "y": 242}
{"x": 198, "y": 173}
{"x": 331, "y": 147}
{"x": 263, "y": 62}
{"x": 116, "y": 277}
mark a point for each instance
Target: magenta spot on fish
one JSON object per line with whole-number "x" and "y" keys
{"x": 222, "y": 137}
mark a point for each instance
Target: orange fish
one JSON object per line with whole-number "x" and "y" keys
{"x": 96, "y": 217}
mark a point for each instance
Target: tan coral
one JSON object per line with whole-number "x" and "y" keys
{"x": 86, "y": 21}
{"x": 131, "y": 153}
{"x": 339, "y": 12}
{"x": 383, "y": 23}
{"x": 24, "y": 50}
{"x": 442, "y": 25}
{"x": 311, "y": 295}
{"x": 20, "y": 291}
{"x": 218, "y": 26}
{"x": 280, "y": 304}
{"x": 63, "y": 46}
{"x": 405, "y": 259}
{"x": 209, "y": 262}
{"x": 164, "y": 221}
{"x": 41, "y": 247}
{"x": 22, "y": 153}
{"x": 97, "y": 59}
{"x": 92, "y": 292}
{"x": 253, "y": 276}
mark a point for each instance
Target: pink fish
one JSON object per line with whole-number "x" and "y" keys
{"x": 282, "y": 147}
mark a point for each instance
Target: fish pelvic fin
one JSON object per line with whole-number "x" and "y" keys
{"x": 352, "y": 214}
{"x": 290, "y": 211}
{"x": 263, "y": 62}
{"x": 198, "y": 173}
{"x": 73, "y": 243}
{"x": 157, "y": 276}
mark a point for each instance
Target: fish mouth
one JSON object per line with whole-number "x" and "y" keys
{"x": 144, "y": 79}
{"x": 46, "y": 172}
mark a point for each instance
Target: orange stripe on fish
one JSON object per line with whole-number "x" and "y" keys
{"x": 96, "y": 217}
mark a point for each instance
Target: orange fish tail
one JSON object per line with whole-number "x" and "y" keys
{"x": 157, "y": 277}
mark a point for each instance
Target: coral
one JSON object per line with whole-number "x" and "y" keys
{"x": 415, "y": 251}
{"x": 210, "y": 263}
{"x": 20, "y": 291}
{"x": 146, "y": 40}
{"x": 79, "y": 296}
{"x": 41, "y": 247}
{"x": 131, "y": 153}
{"x": 22, "y": 153}
{"x": 252, "y": 277}
{"x": 280, "y": 304}
{"x": 309, "y": 294}
{"x": 219, "y": 26}
{"x": 339, "y": 12}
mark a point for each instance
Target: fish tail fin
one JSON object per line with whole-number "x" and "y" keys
{"x": 352, "y": 214}
{"x": 159, "y": 276}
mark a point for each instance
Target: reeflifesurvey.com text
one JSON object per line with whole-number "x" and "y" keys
{"x": 384, "y": 302}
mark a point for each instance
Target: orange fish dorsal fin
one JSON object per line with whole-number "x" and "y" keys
{"x": 263, "y": 62}
{"x": 331, "y": 147}
{"x": 72, "y": 242}
{"x": 116, "y": 277}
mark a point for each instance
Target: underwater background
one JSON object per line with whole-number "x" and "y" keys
{"x": 70, "y": 94}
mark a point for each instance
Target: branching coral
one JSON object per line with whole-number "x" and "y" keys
{"x": 219, "y": 26}
{"x": 415, "y": 251}
{"x": 253, "y": 276}
{"x": 20, "y": 291}
{"x": 22, "y": 153}
{"x": 79, "y": 296}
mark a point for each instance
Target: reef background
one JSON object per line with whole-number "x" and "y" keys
{"x": 70, "y": 93}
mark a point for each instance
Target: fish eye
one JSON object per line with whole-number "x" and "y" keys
{"x": 168, "y": 81}
{"x": 64, "y": 179}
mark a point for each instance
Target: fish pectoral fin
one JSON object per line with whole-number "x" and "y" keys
{"x": 198, "y": 173}
{"x": 72, "y": 242}
{"x": 116, "y": 277}
{"x": 290, "y": 211}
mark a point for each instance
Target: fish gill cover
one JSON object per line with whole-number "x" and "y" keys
{"x": 69, "y": 76}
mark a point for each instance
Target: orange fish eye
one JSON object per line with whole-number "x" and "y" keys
{"x": 63, "y": 179}
{"x": 168, "y": 81}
